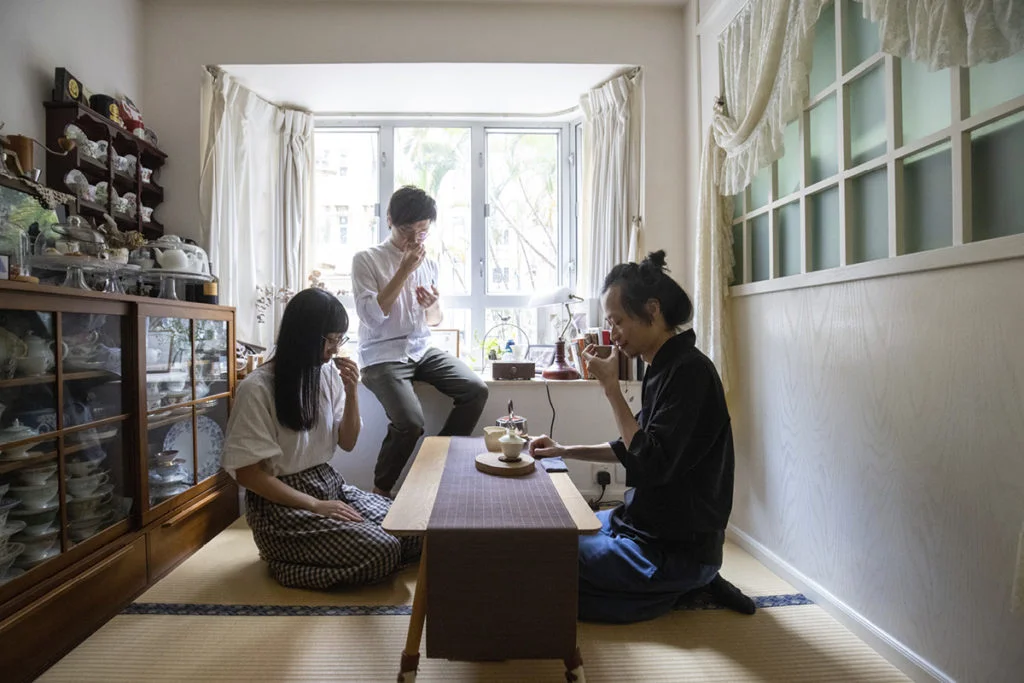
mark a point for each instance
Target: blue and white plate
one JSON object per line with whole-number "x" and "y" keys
{"x": 210, "y": 440}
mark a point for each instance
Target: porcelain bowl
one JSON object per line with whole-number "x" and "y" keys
{"x": 37, "y": 546}
{"x": 6, "y": 505}
{"x": 9, "y": 555}
{"x": 39, "y": 475}
{"x": 90, "y": 506}
{"x": 35, "y": 497}
{"x": 36, "y": 521}
{"x": 83, "y": 487}
{"x": 84, "y": 528}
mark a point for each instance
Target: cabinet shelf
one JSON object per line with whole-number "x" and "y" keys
{"x": 20, "y": 463}
{"x": 47, "y": 379}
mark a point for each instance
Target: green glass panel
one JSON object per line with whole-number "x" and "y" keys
{"x": 927, "y": 102}
{"x": 860, "y": 37}
{"x": 787, "y": 226}
{"x": 824, "y": 141}
{"x": 823, "y": 68}
{"x": 869, "y": 217}
{"x": 867, "y": 117}
{"x": 760, "y": 188}
{"x": 737, "y": 254}
{"x": 761, "y": 249}
{"x": 825, "y": 229}
{"x": 789, "y": 164}
{"x": 997, "y": 183}
{"x": 927, "y": 208}
{"x": 993, "y": 84}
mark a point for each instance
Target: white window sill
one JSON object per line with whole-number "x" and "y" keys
{"x": 998, "y": 249}
{"x": 539, "y": 381}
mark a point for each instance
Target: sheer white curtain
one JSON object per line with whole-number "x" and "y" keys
{"x": 945, "y": 33}
{"x": 255, "y": 196}
{"x": 765, "y": 58}
{"x": 612, "y": 215}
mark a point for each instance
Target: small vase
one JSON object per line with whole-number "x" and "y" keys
{"x": 559, "y": 368}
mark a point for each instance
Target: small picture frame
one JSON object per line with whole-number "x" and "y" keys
{"x": 5, "y": 267}
{"x": 446, "y": 340}
{"x": 542, "y": 356}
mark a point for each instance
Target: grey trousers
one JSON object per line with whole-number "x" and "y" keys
{"x": 391, "y": 383}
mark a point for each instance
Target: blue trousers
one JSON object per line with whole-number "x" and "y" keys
{"x": 622, "y": 580}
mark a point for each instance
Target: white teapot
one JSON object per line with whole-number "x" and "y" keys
{"x": 173, "y": 259}
{"x": 39, "y": 353}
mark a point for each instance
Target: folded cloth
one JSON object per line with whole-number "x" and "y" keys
{"x": 553, "y": 465}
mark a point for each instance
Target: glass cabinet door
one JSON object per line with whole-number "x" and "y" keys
{"x": 168, "y": 362}
{"x": 211, "y": 425}
{"x": 169, "y": 374}
{"x": 30, "y": 520}
{"x": 213, "y": 360}
{"x": 97, "y": 483}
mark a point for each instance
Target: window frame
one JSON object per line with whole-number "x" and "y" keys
{"x": 957, "y": 135}
{"x": 477, "y": 301}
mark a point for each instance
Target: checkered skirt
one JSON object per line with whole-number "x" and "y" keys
{"x": 305, "y": 550}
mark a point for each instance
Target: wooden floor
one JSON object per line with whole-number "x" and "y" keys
{"x": 219, "y": 617}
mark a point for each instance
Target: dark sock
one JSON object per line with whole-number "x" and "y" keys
{"x": 729, "y": 596}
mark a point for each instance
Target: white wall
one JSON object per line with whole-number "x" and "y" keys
{"x": 97, "y": 41}
{"x": 880, "y": 446}
{"x": 181, "y": 36}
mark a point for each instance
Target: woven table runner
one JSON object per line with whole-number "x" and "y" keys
{"x": 502, "y": 564}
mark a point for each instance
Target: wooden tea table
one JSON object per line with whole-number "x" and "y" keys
{"x": 410, "y": 515}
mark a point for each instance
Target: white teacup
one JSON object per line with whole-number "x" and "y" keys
{"x": 82, "y": 468}
{"x": 37, "y": 476}
{"x": 35, "y": 497}
{"x": 82, "y": 487}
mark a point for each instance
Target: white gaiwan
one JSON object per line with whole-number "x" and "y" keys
{"x": 16, "y": 432}
{"x": 511, "y": 446}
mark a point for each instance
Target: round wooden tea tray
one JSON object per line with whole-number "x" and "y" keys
{"x": 491, "y": 463}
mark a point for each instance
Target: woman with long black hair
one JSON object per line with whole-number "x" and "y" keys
{"x": 665, "y": 541}
{"x": 312, "y": 529}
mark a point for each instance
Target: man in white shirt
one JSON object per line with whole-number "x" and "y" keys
{"x": 396, "y": 296}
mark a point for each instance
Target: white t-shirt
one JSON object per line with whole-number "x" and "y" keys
{"x": 403, "y": 334}
{"x": 254, "y": 434}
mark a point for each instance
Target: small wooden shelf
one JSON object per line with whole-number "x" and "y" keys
{"x": 46, "y": 379}
{"x": 101, "y": 129}
{"x": 14, "y": 465}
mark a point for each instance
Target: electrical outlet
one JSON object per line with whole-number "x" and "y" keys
{"x": 603, "y": 477}
{"x": 1017, "y": 593}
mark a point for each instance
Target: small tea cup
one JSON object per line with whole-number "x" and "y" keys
{"x": 491, "y": 436}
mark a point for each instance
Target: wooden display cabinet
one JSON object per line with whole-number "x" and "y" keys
{"x": 81, "y": 372}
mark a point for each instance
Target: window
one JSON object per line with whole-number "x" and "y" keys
{"x": 506, "y": 225}
{"x": 887, "y": 159}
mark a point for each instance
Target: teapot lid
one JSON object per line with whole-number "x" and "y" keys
{"x": 17, "y": 430}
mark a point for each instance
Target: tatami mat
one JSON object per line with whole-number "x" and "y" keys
{"x": 799, "y": 642}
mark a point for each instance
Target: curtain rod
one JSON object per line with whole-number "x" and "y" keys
{"x": 446, "y": 115}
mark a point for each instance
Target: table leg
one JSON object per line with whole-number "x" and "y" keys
{"x": 574, "y": 668}
{"x": 411, "y": 653}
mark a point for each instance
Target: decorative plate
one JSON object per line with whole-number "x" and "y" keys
{"x": 210, "y": 441}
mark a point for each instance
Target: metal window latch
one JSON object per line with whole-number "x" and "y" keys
{"x": 383, "y": 159}
{"x": 487, "y": 210}
{"x": 481, "y": 267}
{"x": 572, "y": 158}
{"x": 480, "y": 159}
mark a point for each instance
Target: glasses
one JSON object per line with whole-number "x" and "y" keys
{"x": 334, "y": 342}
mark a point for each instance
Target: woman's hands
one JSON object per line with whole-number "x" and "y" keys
{"x": 546, "y": 447}
{"x": 349, "y": 372}
{"x": 335, "y": 509}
